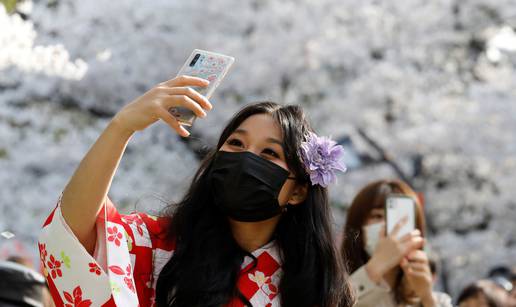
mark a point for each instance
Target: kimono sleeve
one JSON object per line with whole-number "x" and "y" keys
{"x": 75, "y": 278}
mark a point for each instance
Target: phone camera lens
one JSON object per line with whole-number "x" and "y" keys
{"x": 194, "y": 60}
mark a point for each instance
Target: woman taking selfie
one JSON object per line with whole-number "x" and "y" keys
{"x": 253, "y": 229}
{"x": 387, "y": 269}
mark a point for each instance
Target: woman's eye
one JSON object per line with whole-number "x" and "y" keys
{"x": 234, "y": 142}
{"x": 271, "y": 152}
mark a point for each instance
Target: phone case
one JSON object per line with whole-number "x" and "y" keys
{"x": 396, "y": 207}
{"x": 207, "y": 65}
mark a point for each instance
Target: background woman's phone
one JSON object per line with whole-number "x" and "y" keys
{"x": 206, "y": 65}
{"x": 397, "y": 207}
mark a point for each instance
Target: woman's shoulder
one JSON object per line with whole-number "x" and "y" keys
{"x": 141, "y": 221}
{"x": 149, "y": 230}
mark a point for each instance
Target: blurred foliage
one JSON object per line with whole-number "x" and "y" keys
{"x": 53, "y": 4}
{"x": 10, "y": 5}
{"x": 3, "y": 153}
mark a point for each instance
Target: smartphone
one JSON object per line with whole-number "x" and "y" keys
{"x": 397, "y": 207}
{"x": 207, "y": 65}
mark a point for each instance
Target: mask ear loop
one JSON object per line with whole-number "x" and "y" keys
{"x": 284, "y": 209}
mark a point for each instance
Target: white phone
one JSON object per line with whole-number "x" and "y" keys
{"x": 396, "y": 208}
{"x": 207, "y": 65}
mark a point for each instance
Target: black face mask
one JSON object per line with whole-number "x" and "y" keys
{"x": 246, "y": 186}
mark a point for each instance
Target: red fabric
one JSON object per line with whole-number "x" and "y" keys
{"x": 54, "y": 292}
{"x": 265, "y": 264}
{"x": 50, "y": 217}
{"x": 110, "y": 303}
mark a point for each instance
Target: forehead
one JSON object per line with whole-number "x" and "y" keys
{"x": 377, "y": 210}
{"x": 261, "y": 126}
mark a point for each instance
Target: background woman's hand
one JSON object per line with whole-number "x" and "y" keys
{"x": 155, "y": 103}
{"x": 391, "y": 250}
{"x": 419, "y": 276}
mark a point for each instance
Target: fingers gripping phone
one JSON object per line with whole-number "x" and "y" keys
{"x": 206, "y": 65}
{"x": 396, "y": 208}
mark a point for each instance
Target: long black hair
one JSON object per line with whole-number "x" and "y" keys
{"x": 206, "y": 263}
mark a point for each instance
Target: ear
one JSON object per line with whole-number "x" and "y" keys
{"x": 298, "y": 194}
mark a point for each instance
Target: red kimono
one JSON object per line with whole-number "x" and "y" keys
{"x": 130, "y": 252}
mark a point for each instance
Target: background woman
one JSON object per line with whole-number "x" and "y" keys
{"x": 387, "y": 270}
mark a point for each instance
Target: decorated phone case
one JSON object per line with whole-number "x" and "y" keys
{"x": 207, "y": 65}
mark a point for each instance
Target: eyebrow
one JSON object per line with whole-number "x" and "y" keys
{"x": 270, "y": 140}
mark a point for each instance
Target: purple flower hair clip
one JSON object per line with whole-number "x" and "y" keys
{"x": 321, "y": 157}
